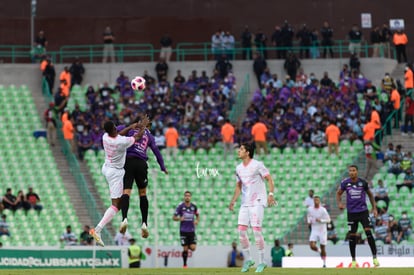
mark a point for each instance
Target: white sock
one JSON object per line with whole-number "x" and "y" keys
{"x": 246, "y": 254}
{"x": 109, "y": 214}
{"x": 261, "y": 256}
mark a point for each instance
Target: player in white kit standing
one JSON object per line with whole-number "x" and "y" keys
{"x": 251, "y": 185}
{"x": 318, "y": 218}
{"x": 115, "y": 145}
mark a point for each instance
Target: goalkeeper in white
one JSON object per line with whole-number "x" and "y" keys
{"x": 318, "y": 218}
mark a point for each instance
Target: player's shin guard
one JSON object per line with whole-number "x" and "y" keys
{"x": 352, "y": 244}
{"x": 124, "y": 205}
{"x": 258, "y": 236}
{"x": 143, "y": 204}
{"x": 371, "y": 242}
{"x": 244, "y": 241}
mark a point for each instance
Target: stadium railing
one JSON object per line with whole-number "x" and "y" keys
{"x": 241, "y": 101}
{"x": 74, "y": 168}
{"x": 183, "y": 51}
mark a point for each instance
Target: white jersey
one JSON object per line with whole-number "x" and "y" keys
{"x": 115, "y": 150}
{"x": 253, "y": 187}
{"x": 321, "y": 214}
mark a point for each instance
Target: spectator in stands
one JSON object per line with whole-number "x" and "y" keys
{"x": 227, "y": 133}
{"x": 381, "y": 231}
{"x": 399, "y": 152}
{"x": 394, "y": 166}
{"x": 10, "y": 200}
{"x": 68, "y": 130}
{"x": 108, "y": 40}
{"x": 318, "y": 137}
{"x": 171, "y": 139}
{"x": 355, "y": 38}
{"x": 291, "y": 65}
{"x": 68, "y": 237}
{"x": 49, "y": 74}
{"x": 389, "y": 152}
{"x": 354, "y": 62}
{"x": 85, "y": 238}
{"x": 408, "y": 181}
{"x": 305, "y": 41}
{"x": 309, "y": 202}
{"x": 76, "y": 71}
{"x": 33, "y": 199}
{"x": 274, "y": 82}
{"x": 306, "y": 137}
{"x": 332, "y": 232}
{"x": 39, "y": 48}
{"x": 161, "y": 68}
{"x": 386, "y": 35}
{"x": 4, "y": 226}
{"x": 65, "y": 75}
{"x": 122, "y": 239}
{"x": 166, "y": 47}
{"x": 159, "y": 139}
{"x": 149, "y": 80}
{"x": 223, "y": 66}
{"x": 246, "y": 43}
{"x": 381, "y": 193}
{"x": 370, "y": 149}
{"x": 407, "y": 161}
{"x": 287, "y": 34}
{"x": 259, "y": 65}
{"x": 394, "y": 231}
{"x": 333, "y": 133}
{"x": 292, "y": 137}
{"x": 40, "y": 40}
{"x": 327, "y": 41}
{"x": 228, "y": 45}
{"x": 400, "y": 41}
{"x": 277, "y": 41}
{"x": 409, "y": 102}
{"x": 21, "y": 201}
{"x": 277, "y": 253}
{"x": 405, "y": 224}
{"x": 85, "y": 142}
{"x": 259, "y": 132}
{"x": 395, "y": 98}
{"x": 217, "y": 44}
{"x": 376, "y": 41}
{"x": 235, "y": 257}
{"x": 279, "y": 137}
{"x": 49, "y": 117}
{"x": 179, "y": 79}
{"x": 260, "y": 40}
{"x": 326, "y": 82}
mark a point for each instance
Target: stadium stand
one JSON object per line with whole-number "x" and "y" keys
{"x": 26, "y": 161}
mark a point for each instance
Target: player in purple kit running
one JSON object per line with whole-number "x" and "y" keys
{"x": 356, "y": 191}
{"x": 187, "y": 214}
{"x": 136, "y": 168}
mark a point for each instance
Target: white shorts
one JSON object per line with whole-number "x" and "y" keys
{"x": 115, "y": 179}
{"x": 320, "y": 236}
{"x": 252, "y": 215}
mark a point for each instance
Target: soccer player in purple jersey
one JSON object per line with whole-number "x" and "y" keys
{"x": 187, "y": 214}
{"x": 356, "y": 190}
{"x": 251, "y": 175}
{"x": 136, "y": 168}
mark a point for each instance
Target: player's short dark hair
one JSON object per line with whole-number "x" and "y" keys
{"x": 187, "y": 192}
{"x": 354, "y": 166}
{"x": 249, "y": 148}
{"x": 109, "y": 126}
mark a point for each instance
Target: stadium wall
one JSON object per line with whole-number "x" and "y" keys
{"x": 83, "y": 21}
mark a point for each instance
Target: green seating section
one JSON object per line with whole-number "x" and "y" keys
{"x": 294, "y": 174}
{"x": 24, "y": 162}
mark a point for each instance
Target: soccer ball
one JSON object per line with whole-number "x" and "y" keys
{"x": 138, "y": 83}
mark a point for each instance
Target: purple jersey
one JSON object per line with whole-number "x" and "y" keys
{"x": 355, "y": 195}
{"x": 139, "y": 149}
{"x": 189, "y": 213}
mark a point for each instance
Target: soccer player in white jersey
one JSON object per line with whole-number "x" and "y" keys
{"x": 115, "y": 145}
{"x": 318, "y": 218}
{"x": 251, "y": 185}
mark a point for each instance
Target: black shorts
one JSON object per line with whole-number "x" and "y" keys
{"x": 188, "y": 238}
{"x": 135, "y": 169}
{"x": 355, "y": 218}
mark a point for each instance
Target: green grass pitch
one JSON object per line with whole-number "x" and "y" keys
{"x": 211, "y": 271}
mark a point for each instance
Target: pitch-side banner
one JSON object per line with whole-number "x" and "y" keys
{"x": 63, "y": 258}
{"x": 345, "y": 262}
